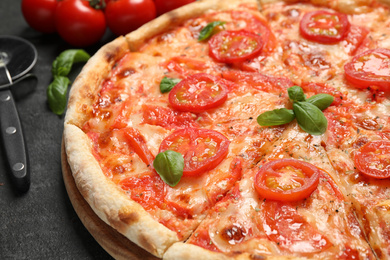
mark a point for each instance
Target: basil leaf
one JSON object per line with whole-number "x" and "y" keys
{"x": 321, "y": 101}
{"x": 296, "y": 93}
{"x": 208, "y": 30}
{"x": 169, "y": 165}
{"x": 276, "y": 117}
{"x": 310, "y": 118}
{"x": 167, "y": 84}
{"x": 63, "y": 63}
{"x": 56, "y": 94}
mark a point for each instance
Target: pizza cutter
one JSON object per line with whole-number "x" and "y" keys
{"x": 17, "y": 57}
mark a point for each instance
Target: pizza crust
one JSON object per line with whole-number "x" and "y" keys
{"x": 83, "y": 91}
{"x": 108, "y": 202}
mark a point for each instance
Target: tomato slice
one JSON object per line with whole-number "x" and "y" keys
{"x": 291, "y": 231}
{"x": 198, "y": 93}
{"x": 286, "y": 180}
{"x": 235, "y": 46}
{"x": 147, "y": 190}
{"x": 373, "y": 159}
{"x": 324, "y": 27}
{"x": 370, "y": 68}
{"x": 202, "y": 149}
{"x": 167, "y": 117}
{"x": 137, "y": 142}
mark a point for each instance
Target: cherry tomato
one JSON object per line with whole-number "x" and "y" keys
{"x": 291, "y": 231}
{"x": 78, "y": 23}
{"x": 235, "y": 46}
{"x": 138, "y": 144}
{"x": 39, "y": 14}
{"x": 324, "y": 27}
{"x": 370, "y": 68}
{"x": 373, "y": 159}
{"x": 286, "y": 180}
{"x": 167, "y": 117}
{"x": 147, "y": 190}
{"x": 198, "y": 93}
{"x": 124, "y": 16}
{"x": 202, "y": 149}
{"x": 164, "y": 6}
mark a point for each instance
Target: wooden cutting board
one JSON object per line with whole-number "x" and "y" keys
{"x": 112, "y": 241}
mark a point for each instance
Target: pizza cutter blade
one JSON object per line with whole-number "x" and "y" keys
{"x": 17, "y": 57}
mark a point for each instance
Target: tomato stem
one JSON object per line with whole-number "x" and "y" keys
{"x": 97, "y": 4}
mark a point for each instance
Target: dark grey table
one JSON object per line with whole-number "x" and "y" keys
{"x": 41, "y": 224}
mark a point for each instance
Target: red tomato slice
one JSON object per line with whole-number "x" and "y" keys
{"x": 287, "y": 180}
{"x": 373, "y": 159}
{"x": 291, "y": 231}
{"x": 324, "y": 27}
{"x": 138, "y": 143}
{"x": 166, "y": 117}
{"x": 370, "y": 68}
{"x": 198, "y": 93}
{"x": 235, "y": 46}
{"x": 186, "y": 66}
{"x": 147, "y": 190}
{"x": 202, "y": 149}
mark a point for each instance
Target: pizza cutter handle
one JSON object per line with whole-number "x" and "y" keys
{"x": 13, "y": 140}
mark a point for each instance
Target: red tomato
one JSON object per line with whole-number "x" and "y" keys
{"x": 124, "y": 16}
{"x": 186, "y": 66}
{"x": 370, "y": 68}
{"x": 202, "y": 149}
{"x": 286, "y": 180}
{"x": 235, "y": 46}
{"x": 164, "y": 6}
{"x": 78, "y": 23}
{"x": 198, "y": 93}
{"x": 39, "y": 14}
{"x": 259, "y": 81}
{"x": 138, "y": 144}
{"x": 147, "y": 190}
{"x": 291, "y": 231}
{"x": 166, "y": 117}
{"x": 257, "y": 26}
{"x": 355, "y": 39}
{"x": 324, "y": 27}
{"x": 373, "y": 159}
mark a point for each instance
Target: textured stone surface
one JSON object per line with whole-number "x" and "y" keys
{"x": 40, "y": 224}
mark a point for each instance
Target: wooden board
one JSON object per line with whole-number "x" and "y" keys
{"x": 112, "y": 241}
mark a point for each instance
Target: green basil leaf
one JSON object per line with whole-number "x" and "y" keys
{"x": 310, "y": 118}
{"x": 208, "y": 30}
{"x": 321, "y": 101}
{"x": 296, "y": 93}
{"x": 276, "y": 117}
{"x": 167, "y": 84}
{"x": 169, "y": 165}
{"x": 56, "y": 94}
{"x": 64, "y": 62}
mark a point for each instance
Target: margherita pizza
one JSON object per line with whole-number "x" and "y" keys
{"x": 238, "y": 129}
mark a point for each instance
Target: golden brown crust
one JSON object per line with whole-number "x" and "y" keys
{"x": 180, "y": 251}
{"x": 108, "y": 202}
{"x": 83, "y": 91}
{"x": 178, "y": 16}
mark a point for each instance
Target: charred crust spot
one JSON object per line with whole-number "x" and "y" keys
{"x": 110, "y": 56}
{"x": 257, "y": 257}
{"x": 145, "y": 243}
{"x": 129, "y": 218}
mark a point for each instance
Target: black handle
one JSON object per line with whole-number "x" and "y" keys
{"x": 13, "y": 139}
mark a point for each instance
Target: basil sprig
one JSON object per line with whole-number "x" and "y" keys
{"x": 61, "y": 67}
{"x": 307, "y": 112}
{"x": 167, "y": 84}
{"x": 169, "y": 165}
{"x": 208, "y": 30}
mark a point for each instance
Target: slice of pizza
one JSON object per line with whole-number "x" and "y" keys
{"x": 288, "y": 206}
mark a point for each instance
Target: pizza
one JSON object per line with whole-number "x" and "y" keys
{"x": 241, "y": 129}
